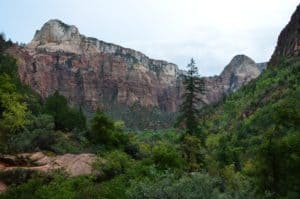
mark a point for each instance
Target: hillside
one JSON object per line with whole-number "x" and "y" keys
{"x": 255, "y": 131}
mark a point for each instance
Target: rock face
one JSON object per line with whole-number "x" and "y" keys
{"x": 288, "y": 44}
{"x": 73, "y": 164}
{"x": 93, "y": 73}
{"x": 240, "y": 71}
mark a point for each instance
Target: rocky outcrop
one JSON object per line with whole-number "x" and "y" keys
{"x": 288, "y": 44}
{"x": 240, "y": 71}
{"x": 74, "y": 164}
{"x": 93, "y": 73}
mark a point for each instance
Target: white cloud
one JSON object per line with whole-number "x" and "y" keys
{"x": 212, "y": 31}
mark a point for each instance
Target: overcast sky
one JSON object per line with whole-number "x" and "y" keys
{"x": 211, "y": 31}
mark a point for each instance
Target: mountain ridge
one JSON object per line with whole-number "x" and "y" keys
{"x": 56, "y": 31}
{"x": 94, "y": 74}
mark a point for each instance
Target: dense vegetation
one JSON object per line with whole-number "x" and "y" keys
{"x": 256, "y": 132}
{"x": 247, "y": 146}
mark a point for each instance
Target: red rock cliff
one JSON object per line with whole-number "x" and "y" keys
{"x": 93, "y": 73}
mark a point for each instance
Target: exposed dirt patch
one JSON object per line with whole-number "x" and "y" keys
{"x": 74, "y": 164}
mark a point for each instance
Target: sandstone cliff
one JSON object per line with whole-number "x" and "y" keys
{"x": 288, "y": 44}
{"x": 92, "y": 73}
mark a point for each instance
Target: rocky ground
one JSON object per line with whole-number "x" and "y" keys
{"x": 74, "y": 164}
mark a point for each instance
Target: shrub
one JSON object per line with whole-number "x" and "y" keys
{"x": 65, "y": 118}
{"x": 193, "y": 152}
{"x": 114, "y": 163}
{"x": 55, "y": 187}
{"x": 166, "y": 156}
{"x": 16, "y": 176}
{"x": 196, "y": 185}
{"x": 105, "y": 131}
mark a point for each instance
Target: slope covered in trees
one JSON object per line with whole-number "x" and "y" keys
{"x": 256, "y": 132}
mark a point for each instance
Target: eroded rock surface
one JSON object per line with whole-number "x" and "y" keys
{"x": 288, "y": 44}
{"x": 91, "y": 73}
{"x": 94, "y": 74}
{"x": 74, "y": 164}
{"x": 240, "y": 71}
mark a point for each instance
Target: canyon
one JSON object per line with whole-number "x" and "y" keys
{"x": 94, "y": 74}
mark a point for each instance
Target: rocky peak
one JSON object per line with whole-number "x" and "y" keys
{"x": 56, "y": 36}
{"x": 288, "y": 44}
{"x": 55, "y": 31}
{"x": 239, "y": 72}
{"x": 239, "y": 63}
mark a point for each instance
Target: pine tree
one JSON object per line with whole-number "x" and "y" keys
{"x": 189, "y": 109}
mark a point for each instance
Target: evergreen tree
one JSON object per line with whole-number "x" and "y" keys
{"x": 189, "y": 109}
{"x": 66, "y": 118}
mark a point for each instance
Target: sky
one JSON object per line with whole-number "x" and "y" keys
{"x": 210, "y": 31}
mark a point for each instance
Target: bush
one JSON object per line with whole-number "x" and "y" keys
{"x": 65, "y": 118}
{"x": 105, "y": 131}
{"x": 166, "y": 156}
{"x": 114, "y": 163}
{"x": 16, "y": 176}
{"x": 55, "y": 187}
{"x": 196, "y": 185}
{"x": 193, "y": 152}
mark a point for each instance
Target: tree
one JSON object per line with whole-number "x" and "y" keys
{"x": 65, "y": 117}
{"x": 12, "y": 109}
{"x": 166, "y": 156}
{"x": 193, "y": 152}
{"x": 102, "y": 129}
{"x": 189, "y": 109}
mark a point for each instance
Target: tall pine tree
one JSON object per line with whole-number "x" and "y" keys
{"x": 189, "y": 109}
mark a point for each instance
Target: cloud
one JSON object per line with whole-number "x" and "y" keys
{"x": 175, "y": 30}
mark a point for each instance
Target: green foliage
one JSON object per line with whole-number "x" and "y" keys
{"x": 9, "y": 67}
{"x": 55, "y": 187}
{"x": 39, "y": 134}
{"x": 166, "y": 156}
{"x": 12, "y": 108}
{"x": 193, "y": 152}
{"x": 196, "y": 185}
{"x": 105, "y": 131}
{"x": 3, "y": 43}
{"x": 256, "y": 134}
{"x": 114, "y": 163}
{"x": 65, "y": 118}
{"x": 102, "y": 129}
{"x": 16, "y": 176}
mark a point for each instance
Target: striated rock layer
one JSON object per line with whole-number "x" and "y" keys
{"x": 93, "y": 73}
{"x": 288, "y": 44}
